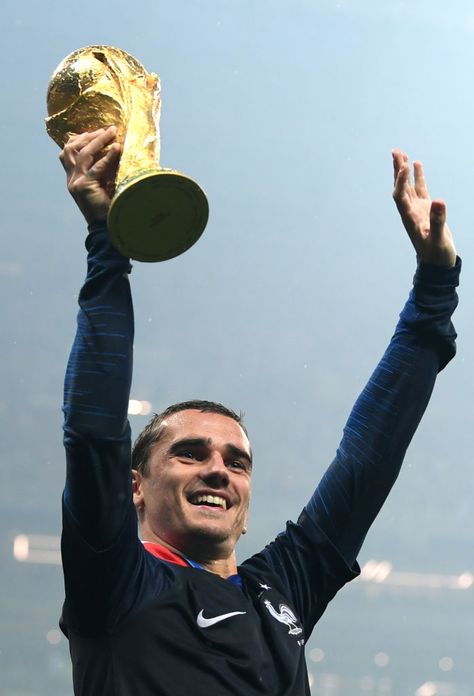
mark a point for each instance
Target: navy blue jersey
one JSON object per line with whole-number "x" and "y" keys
{"x": 141, "y": 625}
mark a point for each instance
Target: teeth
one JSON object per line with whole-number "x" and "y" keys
{"x": 212, "y": 499}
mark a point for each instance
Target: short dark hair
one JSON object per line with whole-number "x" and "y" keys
{"x": 152, "y": 432}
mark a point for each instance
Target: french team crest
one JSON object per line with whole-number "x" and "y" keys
{"x": 285, "y": 616}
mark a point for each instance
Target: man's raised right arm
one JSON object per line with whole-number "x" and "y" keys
{"x": 98, "y": 377}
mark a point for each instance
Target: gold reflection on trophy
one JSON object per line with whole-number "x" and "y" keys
{"x": 155, "y": 213}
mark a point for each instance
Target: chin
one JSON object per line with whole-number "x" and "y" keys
{"x": 207, "y": 537}
{"x": 211, "y": 533}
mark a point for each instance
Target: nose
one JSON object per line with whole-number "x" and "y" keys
{"x": 215, "y": 471}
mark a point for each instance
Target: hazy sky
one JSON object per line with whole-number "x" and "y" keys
{"x": 285, "y": 111}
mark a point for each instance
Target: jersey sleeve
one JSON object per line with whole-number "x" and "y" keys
{"x": 317, "y": 555}
{"x": 99, "y": 521}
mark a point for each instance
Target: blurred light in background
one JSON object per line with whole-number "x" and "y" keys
{"x": 139, "y": 408}
{"x": 54, "y": 636}
{"x": 11, "y": 269}
{"x": 375, "y": 571}
{"x": 446, "y": 664}
{"x": 381, "y": 659}
{"x": 316, "y": 655}
{"x": 435, "y": 689}
{"x": 380, "y": 572}
{"x": 37, "y": 548}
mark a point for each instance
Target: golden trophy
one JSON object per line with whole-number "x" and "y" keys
{"x": 155, "y": 213}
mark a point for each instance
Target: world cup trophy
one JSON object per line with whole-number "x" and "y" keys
{"x": 155, "y": 213}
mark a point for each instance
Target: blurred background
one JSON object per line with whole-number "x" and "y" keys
{"x": 285, "y": 111}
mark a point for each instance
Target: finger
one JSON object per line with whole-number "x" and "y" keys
{"x": 100, "y": 139}
{"x": 397, "y": 159}
{"x": 400, "y": 160}
{"x": 401, "y": 183}
{"x": 106, "y": 167}
{"x": 78, "y": 140}
{"x": 420, "y": 182}
{"x": 74, "y": 145}
{"x": 93, "y": 151}
{"x": 97, "y": 138}
{"x": 406, "y": 163}
{"x": 437, "y": 219}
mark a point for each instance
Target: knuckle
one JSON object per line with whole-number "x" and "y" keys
{"x": 74, "y": 187}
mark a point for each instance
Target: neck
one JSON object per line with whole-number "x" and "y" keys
{"x": 224, "y": 566}
{"x": 221, "y": 566}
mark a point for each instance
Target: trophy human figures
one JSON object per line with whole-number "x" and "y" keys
{"x": 155, "y": 213}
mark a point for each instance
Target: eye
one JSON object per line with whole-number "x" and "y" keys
{"x": 238, "y": 465}
{"x": 193, "y": 454}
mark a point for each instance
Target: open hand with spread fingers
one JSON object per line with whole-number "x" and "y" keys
{"x": 90, "y": 161}
{"x": 424, "y": 219}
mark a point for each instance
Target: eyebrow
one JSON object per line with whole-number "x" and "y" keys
{"x": 206, "y": 442}
{"x": 237, "y": 452}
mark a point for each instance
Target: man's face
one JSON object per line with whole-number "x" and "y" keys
{"x": 196, "y": 493}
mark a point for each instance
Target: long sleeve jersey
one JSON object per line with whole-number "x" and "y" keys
{"x": 144, "y": 623}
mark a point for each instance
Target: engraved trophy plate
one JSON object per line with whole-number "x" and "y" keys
{"x": 155, "y": 213}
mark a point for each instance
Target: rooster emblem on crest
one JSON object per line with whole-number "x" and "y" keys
{"x": 285, "y": 616}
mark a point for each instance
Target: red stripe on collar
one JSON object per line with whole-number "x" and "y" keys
{"x": 164, "y": 554}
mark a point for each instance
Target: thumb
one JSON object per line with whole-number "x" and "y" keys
{"x": 437, "y": 219}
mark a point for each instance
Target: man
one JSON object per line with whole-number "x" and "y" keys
{"x": 174, "y": 614}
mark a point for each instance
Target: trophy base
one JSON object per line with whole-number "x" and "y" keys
{"x": 157, "y": 215}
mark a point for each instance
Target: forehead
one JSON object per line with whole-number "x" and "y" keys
{"x": 215, "y": 427}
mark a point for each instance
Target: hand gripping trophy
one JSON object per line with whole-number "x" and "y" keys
{"x": 155, "y": 213}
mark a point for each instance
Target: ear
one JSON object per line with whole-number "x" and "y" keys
{"x": 138, "y": 500}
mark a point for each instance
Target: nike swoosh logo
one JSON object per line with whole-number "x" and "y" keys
{"x": 202, "y": 622}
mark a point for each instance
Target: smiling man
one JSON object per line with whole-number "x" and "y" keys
{"x": 192, "y": 491}
{"x": 174, "y": 614}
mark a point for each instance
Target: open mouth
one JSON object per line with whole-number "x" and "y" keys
{"x": 212, "y": 501}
